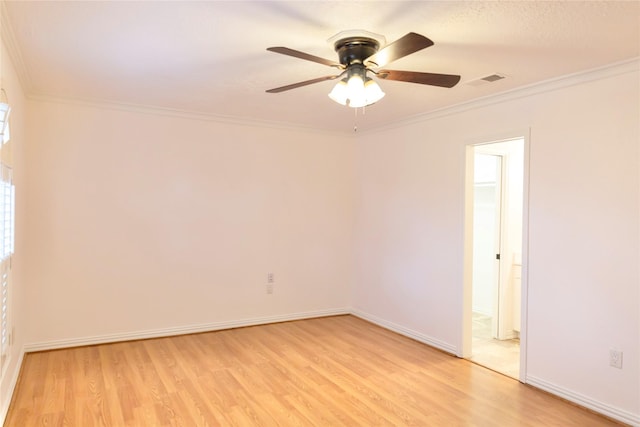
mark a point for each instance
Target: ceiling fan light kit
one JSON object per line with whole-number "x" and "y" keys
{"x": 359, "y": 54}
{"x": 356, "y": 90}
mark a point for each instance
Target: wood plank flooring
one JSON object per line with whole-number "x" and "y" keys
{"x": 333, "y": 371}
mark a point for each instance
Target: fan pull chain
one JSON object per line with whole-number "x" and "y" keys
{"x": 355, "y": 118}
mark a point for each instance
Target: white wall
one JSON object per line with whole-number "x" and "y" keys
{"x": 583, "y": 231}
{"x": 142, "y": 222}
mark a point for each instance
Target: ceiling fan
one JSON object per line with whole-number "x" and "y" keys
{"x": 359, "y": 52}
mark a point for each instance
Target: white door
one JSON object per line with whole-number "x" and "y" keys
{"x": 487, "y": 196}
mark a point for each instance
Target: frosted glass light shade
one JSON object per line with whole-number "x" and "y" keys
{"x": 355, "y": 86}
{"x": 356, "y": 91}
{"x": 373, "y": 92}
{"x": 340, "y": 92}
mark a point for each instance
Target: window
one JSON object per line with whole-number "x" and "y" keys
{"x": 7, "y": 227}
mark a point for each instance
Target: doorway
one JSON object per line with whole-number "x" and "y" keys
{"x": 494, "y": 236}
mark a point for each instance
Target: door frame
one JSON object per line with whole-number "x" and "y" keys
{"x": 465, "y": 345}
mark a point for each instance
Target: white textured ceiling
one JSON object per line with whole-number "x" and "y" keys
{"x": 209, "y": 57}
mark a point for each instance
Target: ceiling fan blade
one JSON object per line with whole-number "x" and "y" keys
{"x": 306, "y": 56}
{"x": 300, "y": 84}
{"x": 402, "y": 47}
{"x": 442, "y": 80}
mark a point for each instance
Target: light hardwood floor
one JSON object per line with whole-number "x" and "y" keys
{"x": 334, "y": 371}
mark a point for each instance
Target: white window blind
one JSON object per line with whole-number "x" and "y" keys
{"x": 7, "y": 227}
{"x": 7, "y": 217}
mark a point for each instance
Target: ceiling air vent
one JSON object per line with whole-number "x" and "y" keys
{"x": 487, "y": 79}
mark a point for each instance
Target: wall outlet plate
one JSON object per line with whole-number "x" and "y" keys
{"x": 615, "y": 358}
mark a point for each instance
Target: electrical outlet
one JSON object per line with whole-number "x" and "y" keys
{"x": 615, "y": 358}
{"x": 269, "y": 288}
{"x": 270, "y": 278}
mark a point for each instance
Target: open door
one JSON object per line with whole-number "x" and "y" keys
{"x": 494, "y": 242}
{"x": 487, "y": 216}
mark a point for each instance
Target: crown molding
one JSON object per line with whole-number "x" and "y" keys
{"x": 8, "y": 38}
{"x": 610, "y": 70}
{"x": 185, "y": 114}
{"x": 599, "y": 73}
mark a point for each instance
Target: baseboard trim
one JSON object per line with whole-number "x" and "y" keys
{"x": 6, "y": 401}
{"x": 584, "y": 401}
{"x": 425, "y": 339}
{"x": 181, "y": 330}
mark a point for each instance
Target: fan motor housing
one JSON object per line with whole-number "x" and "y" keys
{"x": 354, "y": 50}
